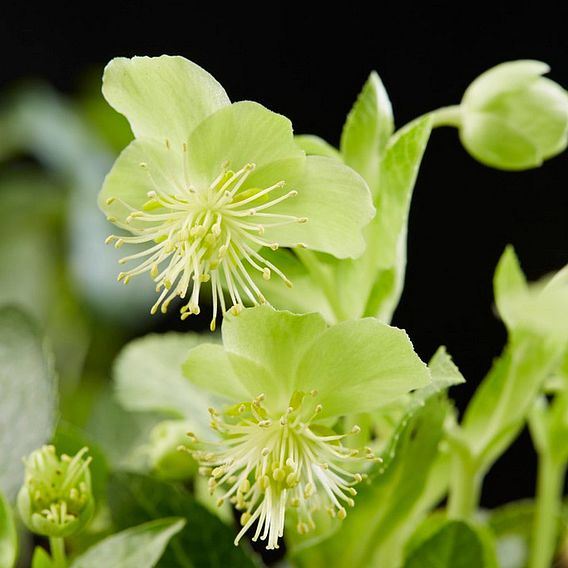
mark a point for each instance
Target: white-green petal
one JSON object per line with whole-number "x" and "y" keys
{"x": 338, "y": 205}
{"x": 144, "y": 165}
{"x": 162, "y": 97}
{"x": 275, "y": 340}
{"x": 242, "y": 133}
{"x": 208, "y": 367}
{"x": 358, "y": 366}
{"x": 232, "y": 377}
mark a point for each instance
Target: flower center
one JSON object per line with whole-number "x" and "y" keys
{"x": 206, "y": 235}
{"x": 57, "y": 486}
{"x": 268, "y": 465}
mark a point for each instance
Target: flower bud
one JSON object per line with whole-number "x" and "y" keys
{"x": 56, "y": 499}
{"x": 512, "y": 118}
{"x": 166, "y": 460}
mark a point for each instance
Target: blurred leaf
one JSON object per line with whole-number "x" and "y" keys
{"x": 367, "y": 130}
{"x": 121, "y": 435}
{"x": 51, "y": 129}
{"x": 138, "y": 547}
{"x": 29, "y": 395}
{"x": 8, "y": 535}
{"x": 513, "y": 525}
{"x": 455, "y": 545}
{"x": 31, "y": 206}
{"x": 204, "y": 542}
{"x": 110, "y": 125}
{"x": 41, "y": 558}
{"x": 148, "y": 377}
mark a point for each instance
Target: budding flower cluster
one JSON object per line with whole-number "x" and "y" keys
{"x": 56, "y": 499}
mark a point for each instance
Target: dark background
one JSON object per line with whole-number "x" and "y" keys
{"x": 310, "y": 67}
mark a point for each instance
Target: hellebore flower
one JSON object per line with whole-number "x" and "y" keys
{"x": 288, "y": 378}
{"x": 56, "y": 499}
{"x": 513, "y": 118}
{"x": 206, "y": 185}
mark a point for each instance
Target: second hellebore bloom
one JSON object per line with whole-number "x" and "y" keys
{"x": 207, "y": 186}
{"x": 287, "y": 379}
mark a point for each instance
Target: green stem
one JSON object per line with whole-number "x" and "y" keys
{"x": 465, "y": 486}
{"x": 322, "y": 278}
{"x": 446, "y": 116}
{"x": 549, "y": 489}
{"x": 57, "y": 546}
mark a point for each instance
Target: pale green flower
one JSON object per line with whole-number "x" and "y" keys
{"x": 56, "y": 499}
{"x": 287, "y": 379}
{"x": 207, "y": 186}
{"x": 513, "y": 118}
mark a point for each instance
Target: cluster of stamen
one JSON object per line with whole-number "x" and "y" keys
{"x": 201, "y": 235}
{"x": 266, "y": 466}
{"x": 57, "y": 486}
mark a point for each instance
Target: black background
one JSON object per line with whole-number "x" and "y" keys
{"x": 310, "y": 66}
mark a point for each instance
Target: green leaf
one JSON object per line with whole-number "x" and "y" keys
{"x": 138, "y": 547}
{"x": 443, "y": 371}
{"x": 538, "y": 308}
{"x": 41, "y": 558}
{"x": 316, "y": 146}
{"x": 501, "y": 403}
{"x": 390, "y": 505}
{"x": 372, "y": 284}
{"x": 367, "y": 130}
{"x": 508, "y": 282}
{"x": 204, "y": 542}
{"x": 162, "y": 97}
{"x": 456, "y": 545}
{"x": 358, "y": 366}
{"x": 148, "y": 377}
{"x": 29, "y": 396}
{"x": 8, "y": 535}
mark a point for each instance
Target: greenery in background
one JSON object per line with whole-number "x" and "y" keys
{"x": 308, "y": 404}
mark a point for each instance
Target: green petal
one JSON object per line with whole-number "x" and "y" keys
{"x": 337, "y": 203}
{"x": 162, "y": 97}
{"x": 498, "y": 144}
{"x": 357, "y": 366}
{"x": 208, "y": 366}
{"x": 242, "y": 133}
{"x": 508, "y": 76}
{"x": 143, "y": 166}
{"x": 276, "y": 341}
{"x": 540, "y": 112}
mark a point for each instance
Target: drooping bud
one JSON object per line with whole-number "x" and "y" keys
{"x": 166, "y": 460}
{"x": 512, "y": 118}
{"x": 56, "y": 499}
